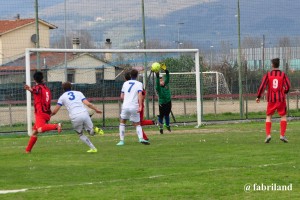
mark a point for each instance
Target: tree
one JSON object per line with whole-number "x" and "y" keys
{"x": 85, "y": 38}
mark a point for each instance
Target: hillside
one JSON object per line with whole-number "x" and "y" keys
{"x": 205, "y": 22}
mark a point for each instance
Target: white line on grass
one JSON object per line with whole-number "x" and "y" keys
{"x": 120, "y": 180}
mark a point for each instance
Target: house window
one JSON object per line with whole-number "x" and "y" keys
{"x": 99, "y": 76}
{"x": 71, "y": 76}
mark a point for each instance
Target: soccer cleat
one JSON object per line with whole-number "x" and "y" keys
{"x": 59, "y": 129}
{"x": 169, "y": 128}
{"x": 92, "y": 151}
{"x": 268, "y": 139}
{"x": 283, "y": 139}
{"x": 161, "y": 130}
{"x": 146, "y": 142}
{"x": 121, "y": 143}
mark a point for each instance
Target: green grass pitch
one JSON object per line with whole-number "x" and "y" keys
{"x": 211, "y": 162}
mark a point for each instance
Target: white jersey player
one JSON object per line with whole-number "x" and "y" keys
{"x": 131, "y": 94}
{"x": 74, "y": 102}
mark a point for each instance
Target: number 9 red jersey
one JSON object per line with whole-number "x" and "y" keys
{"x": 278, "y": 86}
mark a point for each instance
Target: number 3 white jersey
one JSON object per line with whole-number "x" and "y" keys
{"x": 73, "y": 102}
{"x": 130, "y": 90}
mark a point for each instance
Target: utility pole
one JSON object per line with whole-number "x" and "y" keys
{"x": 37, "y": 42}
{"x": 65, "y": 40}
{"x": 239, "y": 62}
{"x": 263, "y": 54}
{"x": 145, "y": 59}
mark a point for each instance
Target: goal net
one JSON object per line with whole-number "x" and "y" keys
{"x": 99, "y": 74}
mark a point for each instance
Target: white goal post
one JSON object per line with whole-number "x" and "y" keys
{"x": 28, "y": 52}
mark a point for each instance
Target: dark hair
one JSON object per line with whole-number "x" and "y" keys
{"x": 127, "y": 76}
{"x": 275, "y": 62}
{"x": 134, "y": 73}
{"x": 66, "y": 86}
{"x": 38, "y": 76}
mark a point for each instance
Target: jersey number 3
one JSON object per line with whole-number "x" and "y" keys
{"x": 72, "y": 96}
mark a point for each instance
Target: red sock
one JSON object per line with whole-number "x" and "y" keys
{"x": 268, "y": 128}
{"x": 49, "y": 127}
{"x": 283, "y": 125}
{"x": 31, "y": 143}
{"x": 145, "y": 136}
{"x": 146, "y": 122}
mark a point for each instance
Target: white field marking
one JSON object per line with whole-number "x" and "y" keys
{"x": 120, "y": 180}
{"x": 11, "y": 191}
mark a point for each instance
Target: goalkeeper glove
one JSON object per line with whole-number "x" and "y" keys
{"x": 163, "y": 66}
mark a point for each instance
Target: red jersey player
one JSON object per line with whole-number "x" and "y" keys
{"x": 42, "y": 111}
{"x": 278, "y": 85}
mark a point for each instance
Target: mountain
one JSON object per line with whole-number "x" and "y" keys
{"x": 201, "y": 22}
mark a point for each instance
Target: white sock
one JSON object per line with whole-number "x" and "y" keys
{"x": 122, "y": 131}
{"x": 139, "y": 131}
{"x": 87, "y": 141}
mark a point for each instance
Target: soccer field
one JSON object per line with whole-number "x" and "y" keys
{"x": 212, "y": 162}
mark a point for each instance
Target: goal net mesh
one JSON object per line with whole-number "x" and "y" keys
{"x": 100, "y": 76}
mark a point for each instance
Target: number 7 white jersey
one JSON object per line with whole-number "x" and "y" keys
{"x": 130, "y": 90}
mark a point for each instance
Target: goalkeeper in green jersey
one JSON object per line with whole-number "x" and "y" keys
{"x": 164, "y": 96}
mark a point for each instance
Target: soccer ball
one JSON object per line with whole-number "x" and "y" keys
{"x": 155, "y": 67}
{"x": 98, "y": 131}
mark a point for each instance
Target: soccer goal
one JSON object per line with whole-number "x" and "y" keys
{"x": 99, "y": 74}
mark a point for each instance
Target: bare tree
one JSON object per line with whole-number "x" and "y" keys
{"x": 284, "y": 42}
{"x": 251, "y": 42}
{"x": 85, "y": 38}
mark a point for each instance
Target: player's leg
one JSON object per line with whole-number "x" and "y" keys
{"x": 283, "y": 122}
{"x": 142, "y": 119}
{"x": 160, "y": 118}
{"x": 78, "y": 125}
{"x": 135, "y": 118}
{"x": 271, "y": 107}
{"x": 268, "y": 128}
{"x": 88, "y": 125}
{"x": 167, "y": 111}
{"x": 146, "y": 122}
{"x": 124, "y": 116}
{"x": 44, "y": 126}
{"x": 39, "y": 122}
{"x": 32, "y": 141}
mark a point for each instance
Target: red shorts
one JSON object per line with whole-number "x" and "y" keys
{"x": 40, "y": 120}
{"x": 279, "y": 106}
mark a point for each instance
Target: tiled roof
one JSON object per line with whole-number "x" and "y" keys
{"x": 10, "y": 25}
{"x": 49, "y": 59}
{"x": 46, "y": 58}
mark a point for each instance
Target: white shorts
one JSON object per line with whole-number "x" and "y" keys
{"x": 130, "y": 113}
{"x": 82, "y": 121}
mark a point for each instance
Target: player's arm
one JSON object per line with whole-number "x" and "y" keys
{"x": 167, "y": 80}
{"x": 27, "y": 87}
{"x": 157, "y": 87}
{"x": 122, "y": 95}
{"x": 91, "y": 106}
{"x": 262, "y": 88}
{"x": 56, "y": 109}
{"x": 287, "y": 84}
{"x": 140, "y": 101}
